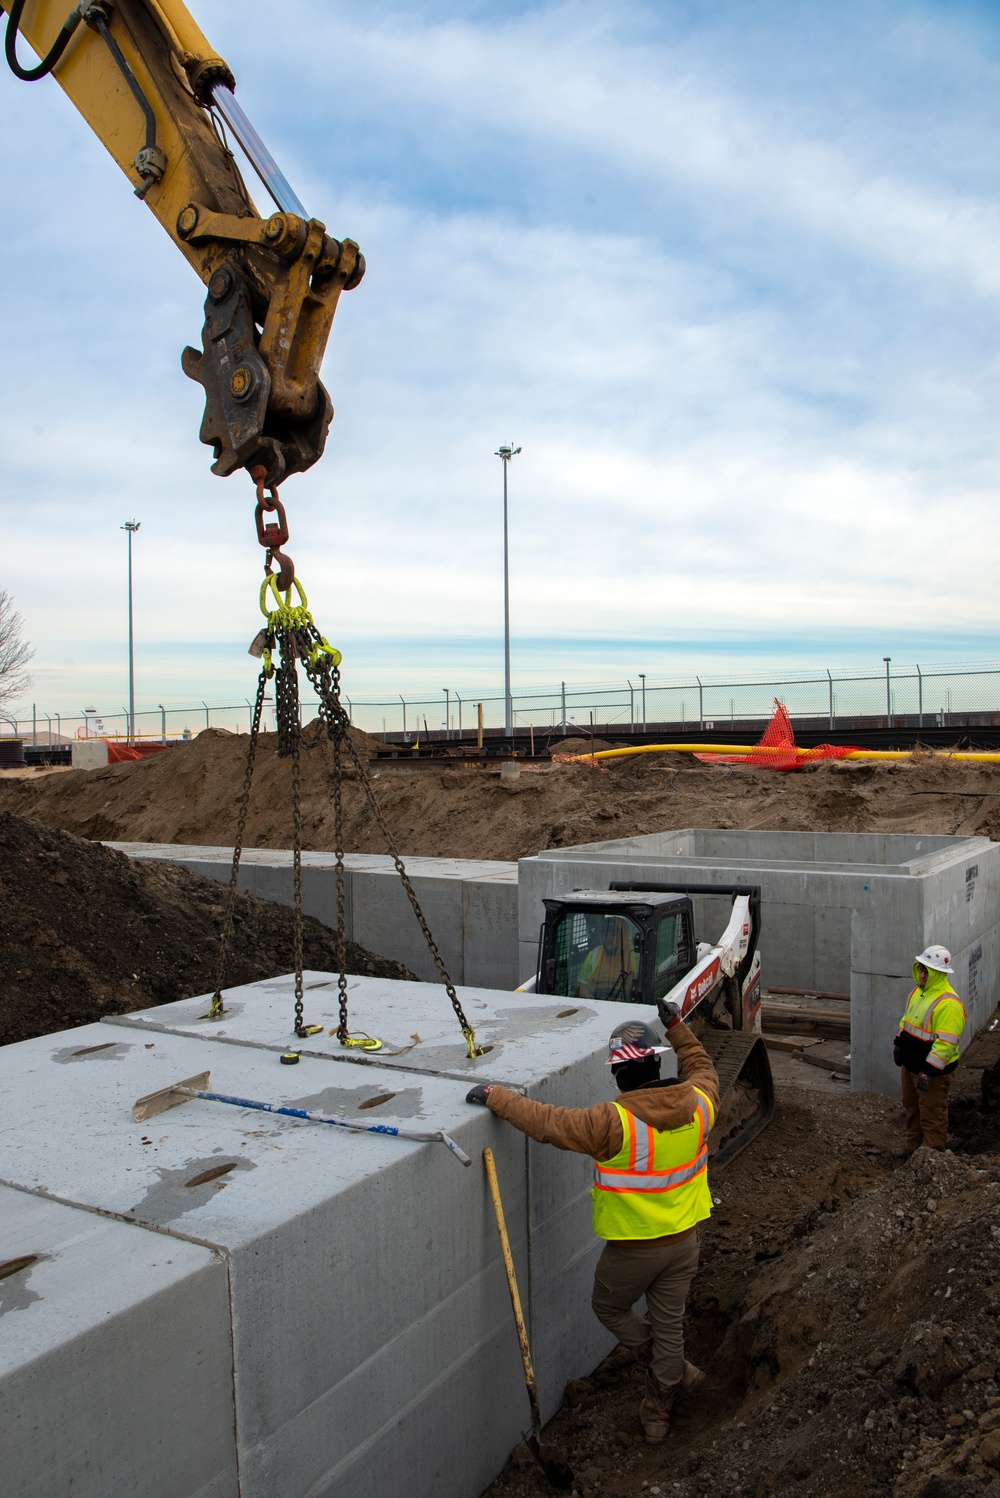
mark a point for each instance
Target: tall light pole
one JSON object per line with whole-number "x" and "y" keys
{"x": 131, "y": 526}
{"x": 505, "y": 454}
{"x": 888, "y": 696}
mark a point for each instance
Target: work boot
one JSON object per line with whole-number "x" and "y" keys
{"x": 692, "y": 1378}
{"x": 654, "y": 1411}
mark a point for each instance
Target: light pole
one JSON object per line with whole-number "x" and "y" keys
{"x": 130, "y": 526}
{"x": 888, "y": 698}
{"x": 505, "y": 454}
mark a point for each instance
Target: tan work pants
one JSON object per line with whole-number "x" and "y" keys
{"x": 661, "y": 1269}
{"x": 926, "y": 1112}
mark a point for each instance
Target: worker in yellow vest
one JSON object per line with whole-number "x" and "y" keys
{"x": 650, "y": 1192}
{"x": 927, "y": 1049}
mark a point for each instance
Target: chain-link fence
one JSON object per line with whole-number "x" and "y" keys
{"x": 907, "y": 696}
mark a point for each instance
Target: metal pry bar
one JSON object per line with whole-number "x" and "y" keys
{"x": 197, "y": 1087}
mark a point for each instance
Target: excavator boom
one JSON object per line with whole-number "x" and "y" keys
{"x": 163, "y": 102}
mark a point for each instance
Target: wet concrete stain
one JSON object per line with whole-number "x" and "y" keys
{"x": 173, "y": 1195}
{"x": 16, "y": 1293}
{"x": 346, "y": 1102}
{"x": 112, "y": 1051}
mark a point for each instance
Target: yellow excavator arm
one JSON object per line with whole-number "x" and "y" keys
{"x": 163, "y": 102}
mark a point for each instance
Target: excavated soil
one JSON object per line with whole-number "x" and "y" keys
{"x": 85, "y": 932}
{"x": 845, "y": 1313}
{"x": 190, "y": 794}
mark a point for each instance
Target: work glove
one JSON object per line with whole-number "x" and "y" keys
{"x": 479, "y": 1094}
{"x": 923, "y": 1081}
{"x": 670, "y": 1014}
{"x": 897, "y": 1050}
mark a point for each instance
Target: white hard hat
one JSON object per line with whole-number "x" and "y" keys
{"x": 939, "y": 958}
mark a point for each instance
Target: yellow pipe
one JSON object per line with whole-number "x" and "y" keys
{"x": 969, "y": 756}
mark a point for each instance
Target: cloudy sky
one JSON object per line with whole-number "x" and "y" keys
{"x": 728, "y": 271}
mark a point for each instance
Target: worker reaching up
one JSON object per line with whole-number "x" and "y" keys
{"x": 650, "y": 1153}
{"x": 927, "y": 1049}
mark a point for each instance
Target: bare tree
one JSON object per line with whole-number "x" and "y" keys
{"x": 15, "y": 653}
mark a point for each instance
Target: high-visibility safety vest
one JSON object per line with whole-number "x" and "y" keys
{"x": 657, "y": 1183}
{"x": 935, "y": 1018}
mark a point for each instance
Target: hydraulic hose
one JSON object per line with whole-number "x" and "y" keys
{"x": 48, "y": 62}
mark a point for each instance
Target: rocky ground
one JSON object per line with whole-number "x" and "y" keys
{"x": 190, "y": 794}
{"x": 86, "y": 932}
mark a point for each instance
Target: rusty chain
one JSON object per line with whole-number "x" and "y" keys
{"x": 302, "y": 641}
{"x": 225, "y": 937}
{"x": 325, "y": 679}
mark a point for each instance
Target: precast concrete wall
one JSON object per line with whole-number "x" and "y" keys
{"x": 116, "y": 1366}
{"x": 365, "y": 1324}
{"x": 841, "y": 911}
{"x": 470, "y": 904}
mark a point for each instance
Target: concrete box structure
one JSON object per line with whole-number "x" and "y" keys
{"x": 367, "y": 1324}
{"x": 841, "y": 911}
{"x": 551, "y": 1050}
{"x": 116, "y": 1368}
{"x": 470, "y": 905}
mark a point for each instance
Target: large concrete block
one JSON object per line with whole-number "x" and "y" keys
{"x": 551, "y": 1049}
{"x": 384, "y": 921}
{"x": 116, "y": 1372}
{"x": 489, "y": 931}
{"x": 371, "y": 1332}
{"x": 470, "y": 904}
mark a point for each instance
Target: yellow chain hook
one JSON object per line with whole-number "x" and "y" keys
{"x": 470, "y": 1040}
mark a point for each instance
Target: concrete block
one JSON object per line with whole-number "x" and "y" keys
{"x": 371, "y": 1332}
{"x": 489, "y": 931}
{"x": 89, "y": 754}
{"x": 470, "y": 904}
{"x": 551, "y": 1049}
{"x": 116, "y": 1372}
{"x": 384, "y": 921}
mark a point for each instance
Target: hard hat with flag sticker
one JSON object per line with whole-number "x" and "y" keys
{"x": 633, "y": 1040}
{"x": 939, "y": 958}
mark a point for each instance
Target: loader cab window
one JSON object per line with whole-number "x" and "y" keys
{"x": 594, "y": 956}
{"x": 673, "y": 953}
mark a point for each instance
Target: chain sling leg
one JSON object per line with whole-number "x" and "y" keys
{"x": 225, "y": 937}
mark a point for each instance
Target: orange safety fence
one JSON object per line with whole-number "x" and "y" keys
{"x": 119, "y": 753}
{"x": 777, "y": 748}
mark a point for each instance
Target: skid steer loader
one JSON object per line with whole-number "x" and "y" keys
{"x": 636, "y": 943}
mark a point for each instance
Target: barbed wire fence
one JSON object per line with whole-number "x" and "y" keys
{"x": 911, "y": 696}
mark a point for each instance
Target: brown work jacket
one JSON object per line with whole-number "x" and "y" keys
{"x": 597, "y": 1131}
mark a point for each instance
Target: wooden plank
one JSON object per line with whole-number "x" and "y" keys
{"x": 810, "y": 993}
{"x": 794, "y": 1043}
{"x": 827, "y": 1063}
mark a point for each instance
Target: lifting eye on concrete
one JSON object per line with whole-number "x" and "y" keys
{"x": 376, "y": 1102}
{"x": 565, "y": 1013}
{"x": 211, "y": 1175}
{"x": 11, "y": 1266}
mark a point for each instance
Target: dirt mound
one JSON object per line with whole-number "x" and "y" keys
{"x": 85, "y": 932}
{"x": 846, "y": 1313}
{"x": 190, "y": 794}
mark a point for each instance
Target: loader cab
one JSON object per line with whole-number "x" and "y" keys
{"x": 599, "y": 944}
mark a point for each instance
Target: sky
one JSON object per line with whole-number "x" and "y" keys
{"x": 729, "y": 274}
